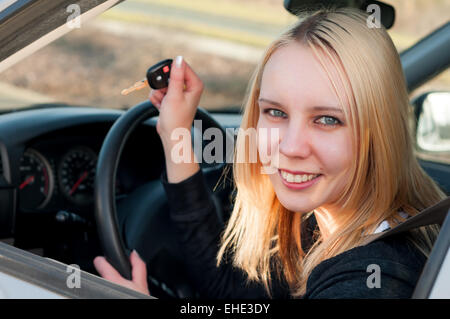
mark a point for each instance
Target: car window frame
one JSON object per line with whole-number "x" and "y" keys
{"x": 52, "y": 275}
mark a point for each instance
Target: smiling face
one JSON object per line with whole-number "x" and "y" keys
{"x": 314, "y": 147}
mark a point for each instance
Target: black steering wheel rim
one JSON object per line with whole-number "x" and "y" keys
{"x": 111, "y": 241}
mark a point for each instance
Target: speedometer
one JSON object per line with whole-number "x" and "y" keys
{"x": 36, "y": 180}
{"x": 77, "y": 174}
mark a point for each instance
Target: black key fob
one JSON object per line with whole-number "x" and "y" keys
{"x": 158, "y": 74}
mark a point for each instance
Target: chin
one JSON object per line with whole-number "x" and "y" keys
{"x": 296, "y": 205}
{"x": 301, "y": 201}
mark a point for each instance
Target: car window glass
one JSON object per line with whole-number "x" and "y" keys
{"x": 414, "y": 20}
{"x": 221, "y": 39}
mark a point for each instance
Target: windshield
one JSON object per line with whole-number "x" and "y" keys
{"x": 221, "y": 39}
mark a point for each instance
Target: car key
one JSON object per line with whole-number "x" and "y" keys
{"x": 157, "y": 77}
{"x": 136, "y": 86}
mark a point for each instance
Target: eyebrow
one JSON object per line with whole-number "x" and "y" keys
{"x": 314, "y": 108}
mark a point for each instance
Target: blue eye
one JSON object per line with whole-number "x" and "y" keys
{"x": 275, "y": 113}
{"x": 328, "y": 121}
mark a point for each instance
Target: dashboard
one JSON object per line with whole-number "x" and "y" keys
{"x": 57, "y": 170}
{"x": 49, "y": 159}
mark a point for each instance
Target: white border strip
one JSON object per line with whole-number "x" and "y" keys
{"x": 53, "y": 35}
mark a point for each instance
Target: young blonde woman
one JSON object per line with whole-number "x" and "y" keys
{"x": 334, "y": 90}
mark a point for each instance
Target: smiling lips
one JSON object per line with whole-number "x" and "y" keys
{"x": 296, "y": 177}
{"x": 298, "y": 180}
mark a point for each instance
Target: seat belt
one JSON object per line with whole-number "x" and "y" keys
{"x": 431, "y": 215}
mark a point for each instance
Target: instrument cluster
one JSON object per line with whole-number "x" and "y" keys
{"x": 69, "y": 176}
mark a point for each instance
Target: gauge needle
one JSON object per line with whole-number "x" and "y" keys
{"x": 74, "y": 188}
{"x": 26, "y": 182}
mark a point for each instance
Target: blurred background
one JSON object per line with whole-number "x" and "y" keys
{"x": 221, "y": 39}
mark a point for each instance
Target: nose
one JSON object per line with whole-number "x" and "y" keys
{"x": 295, "y": 141}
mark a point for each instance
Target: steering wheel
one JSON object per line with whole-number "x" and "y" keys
{"x": 111, "y": 241}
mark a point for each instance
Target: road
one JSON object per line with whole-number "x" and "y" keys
{"x": 211, "y": 20}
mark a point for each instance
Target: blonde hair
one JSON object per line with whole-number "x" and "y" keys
{"x": 385, "y": 178}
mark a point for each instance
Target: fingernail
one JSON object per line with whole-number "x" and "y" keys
{"x": 134, "y": 251}
{"x": 178, "y": 61}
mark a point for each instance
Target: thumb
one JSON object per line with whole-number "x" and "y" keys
{"x": 139, "y": 269}
{"x": 176, "y": 82}
{"x": 107, "y": 271}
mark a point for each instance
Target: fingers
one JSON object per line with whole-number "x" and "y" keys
{"x": 156, "y": 96}
{"x": 176, "y": 83}
{"x": 156, "y": 101}
{"x": 183, "y": 78}
{"x": 139, "y": 269}
{"x": 107, "y": 271}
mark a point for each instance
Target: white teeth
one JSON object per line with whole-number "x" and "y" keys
{"x": 291, "y": 178}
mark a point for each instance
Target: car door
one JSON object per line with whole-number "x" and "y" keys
{"x": 24, "y": 275}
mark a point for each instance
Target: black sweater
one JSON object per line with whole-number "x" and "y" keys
{"x": 347, "y": 275}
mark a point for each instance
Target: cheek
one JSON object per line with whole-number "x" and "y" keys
{"x": 268, "y": 140}
{"x": 336, "y": 153}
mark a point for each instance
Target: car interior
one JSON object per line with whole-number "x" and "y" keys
{"x": 77, "y": 181}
